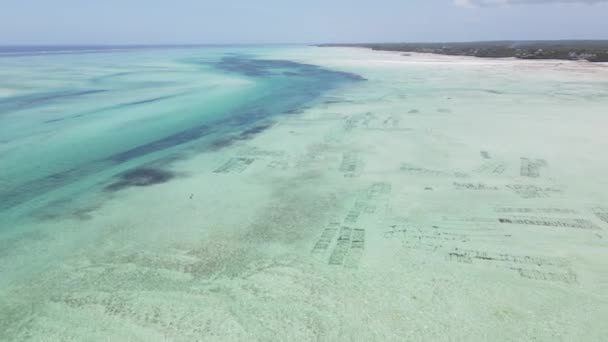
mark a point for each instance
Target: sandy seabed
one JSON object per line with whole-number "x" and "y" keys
{"x": 444, "y": 199}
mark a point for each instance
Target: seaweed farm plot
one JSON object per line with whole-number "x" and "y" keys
{"x": 357, "y": 248}
{"x": 601, "y": 213}
{"x": 374, "y": 122}
{"x": 492, "y": 168}
{"x": 345, "y": 244}
{"x": 526, "y": 266}
{"x": 475, "y": 186}
{"x": 349, "y": 248}
{"x": 351, "y": 165}
{"x": 275, "y": 159}
{"x": 341, "y": 247}
{"x": 533, "y": 191}
{"x": 550, "y": 222}
{"x": 387, "y": 123}
{"x": 523, "y": 210}
{"x": 345, "y": 239}
{"x": 448, "y": 233}
{"x": 426, "y": 239}
{"x": 531, "y": 167}
{"x": 422, "y": 171}
{"x": 235, "y": 165}
{"x": 457, "y": 240}
{"x": 317, "y": 156}
{"x": 373, "y": 201}
{"x": 356, "y": 121}
{"x": 326, "y": 239}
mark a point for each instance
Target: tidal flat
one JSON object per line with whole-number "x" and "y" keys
{"x": 301, "y": 193}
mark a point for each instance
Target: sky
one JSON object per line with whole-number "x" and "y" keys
{"x": 300, "y": 21}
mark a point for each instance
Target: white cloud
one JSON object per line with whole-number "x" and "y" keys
{"x": 486, "y": 3}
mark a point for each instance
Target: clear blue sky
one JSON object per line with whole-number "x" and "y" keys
{"x": 296, "y": 21}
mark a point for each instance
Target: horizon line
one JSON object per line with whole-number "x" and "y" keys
{"x": 284, "y": 43}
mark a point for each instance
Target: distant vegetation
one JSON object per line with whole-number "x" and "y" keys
{"x": 589, "y": 50}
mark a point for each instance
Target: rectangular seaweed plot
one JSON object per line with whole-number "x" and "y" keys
{"x": 416, "y": 238}
{"x": 533, "y": 191}
{"x": 551, "y": 222}
{"x": 353, "y": 215}
{"x": 601, "y": 213}
{"x": 350, "y": 165}
{"x": 327, "y": 237}
{"x": 379, "y": 189}
{"x": 342, "y": 247}
{"x": 357, "y": 247}
{"x": 521, "y": 210}
{"x": 568, "y": 277}
{"x": 509, "y": 260}
{"x": 489, "y": 167}
{"x": 475, "y": 186}
{"x": 530, "y": 168}
{"x": 528, "y": 267}
{"x": 235, "y": 165}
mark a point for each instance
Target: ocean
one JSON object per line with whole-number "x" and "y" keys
{"x": 290, "y": 192}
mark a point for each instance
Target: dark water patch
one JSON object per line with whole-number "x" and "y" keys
{"x": 257, "y": 67}
{"x": 36, "y": 100}
{"x": 228, "y": 140}
{"x": 19, "y": 243}
{"x": 140, "y": 177}
{"x": 115, "y": 107}
{"x": 293, "y": 74}
{"x": 60, "y": 209}
{"x": 173, "y": 140}
{"x": 496, "y": 92}
{"x": 15, "y": 194}
{"x": 336, "y": 101}
{"x": 111, "y": 76}
{"x": 253, "y": 131}
{"x": 242, "y": 119}
{"x": 154, "y": 99}
{"x": 248, "y": 66}
{"x": 223, "y": 142}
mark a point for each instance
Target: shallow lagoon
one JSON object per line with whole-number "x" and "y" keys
{"x": 245, "y": 193}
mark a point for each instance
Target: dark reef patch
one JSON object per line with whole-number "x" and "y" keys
{"x": 253, "y": 131}
{"x": 155, "y": 99}
{"x": 178, "y": 138}
{"x": 248, "y": 66}
{"x": 114, "y": 107}
{"x": 140, "y": 177}
{"x": 36, "y": 100}
{"x": 222, "y": 142}
{"x": 64, "y": 208}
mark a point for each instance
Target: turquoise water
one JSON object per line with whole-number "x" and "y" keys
{"x": 74, "y": 123}
{"x": 302, "y": 194}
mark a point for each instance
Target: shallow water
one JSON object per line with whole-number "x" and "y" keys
{"x": 301, "y": 193}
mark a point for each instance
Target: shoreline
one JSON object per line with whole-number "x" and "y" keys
{"x": 590, "y": 51}
{"x": 423, "y": 58}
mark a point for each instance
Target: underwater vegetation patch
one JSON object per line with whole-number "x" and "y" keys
{"x": 140, "y": 177}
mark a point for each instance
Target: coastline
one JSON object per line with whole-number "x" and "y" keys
{"x": 591, "y": 51}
